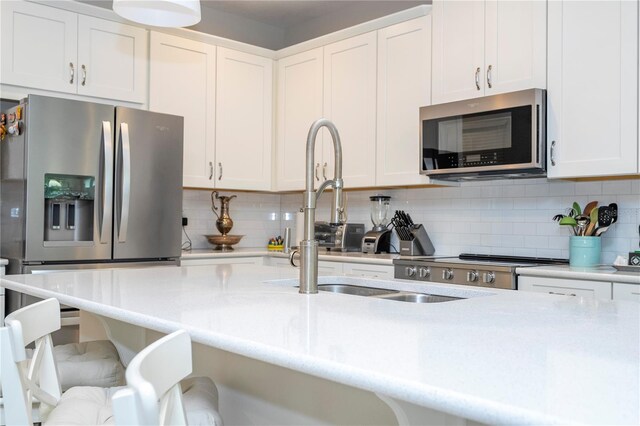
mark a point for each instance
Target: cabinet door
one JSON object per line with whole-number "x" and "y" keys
{"x": 350, "y": 102}
{"x": 592, "y": 103}
{"x": 624, "y": 291}
{"x": 515, "y": 45}
{"x": 39, "y": 46}
{"x": 112, "y": 60}
{"x": 244, "y": 120}
{"x": 182, "y": 82}
{"x": 299, "y": 105}
{"x": 404, "y": 85}
{"x": 458, "y": 50}
{"x": 566, "y": 287}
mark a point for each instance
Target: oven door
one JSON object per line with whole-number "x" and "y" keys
{"x": 494, "y": 134}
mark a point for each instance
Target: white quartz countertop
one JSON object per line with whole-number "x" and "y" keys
{"x": 331, "y": 256}
{"x": 600, "y": 273}
{"x": 498, "y": 356}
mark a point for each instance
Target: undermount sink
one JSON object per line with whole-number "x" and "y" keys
{"x": 418, "y": 298}
{"x": 355, "y": 290}
{"x": 382, "y": 293}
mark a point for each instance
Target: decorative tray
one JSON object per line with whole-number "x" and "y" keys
{"x": 627, "y": 268}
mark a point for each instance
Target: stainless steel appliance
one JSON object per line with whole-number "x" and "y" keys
{"x": 493, "y": 271}
{"x": 339, "y": 237}
{"x": 378, "y": 240}
{"x": 85, "y": 183}
{"x": 485, "y": 138}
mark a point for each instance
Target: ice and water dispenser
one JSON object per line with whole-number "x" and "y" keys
{"x": 69, "y": 203}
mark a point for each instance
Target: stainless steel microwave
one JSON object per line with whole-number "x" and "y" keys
{"x": 499, "y": 136}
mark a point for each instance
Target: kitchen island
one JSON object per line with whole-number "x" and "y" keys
{"x": 495, "y": 356}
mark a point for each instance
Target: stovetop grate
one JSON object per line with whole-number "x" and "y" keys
{"x": 513, "y": 259}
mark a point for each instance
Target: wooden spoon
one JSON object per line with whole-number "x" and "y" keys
{"x": 589, "y": 207}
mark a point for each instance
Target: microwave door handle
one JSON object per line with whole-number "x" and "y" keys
{"x": 107, "y": 182}
{"x": 125, "y": 188}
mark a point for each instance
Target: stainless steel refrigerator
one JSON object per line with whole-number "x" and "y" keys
{"x": 89, "y": 185}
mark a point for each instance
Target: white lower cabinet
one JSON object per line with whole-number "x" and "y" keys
{"x": 624, "y": 291}
{"x": 367, "y": 270}
{"x": 566, "y": 287}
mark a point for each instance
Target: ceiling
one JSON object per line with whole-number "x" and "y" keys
{"x": 290, "y": 13}
{"x": 275, "y": 24}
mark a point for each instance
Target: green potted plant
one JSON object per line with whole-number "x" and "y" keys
{"x": 587, "y": 226}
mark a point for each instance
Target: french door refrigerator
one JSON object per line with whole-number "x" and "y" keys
{"x": 89, "y": 185}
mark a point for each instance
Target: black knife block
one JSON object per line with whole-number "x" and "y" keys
{"x": 420, "y": 245}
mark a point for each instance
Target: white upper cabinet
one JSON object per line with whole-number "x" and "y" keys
{"x": 404, "y": 77}
{"x": 458, "y": 50}
{"x": 182, "y": 82}
{"x": 592, "y": 101}
{"x": 487, "y": 47}
{"x": 515, "y": 45}
{"x": 243, "y": 120}
{"x": 113, "y": 60}
{"x": 39, "y": 46}
{"x": 299, "y": 105}
{"x": 52, "y": 49}
{"x": 350, "y": 102}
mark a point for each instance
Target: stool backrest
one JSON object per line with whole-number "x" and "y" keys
{"x": 153, "y": 395}
{"x": 24, "y": 379}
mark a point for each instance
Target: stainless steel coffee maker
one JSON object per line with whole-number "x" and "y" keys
{"x": 378, "y": 240}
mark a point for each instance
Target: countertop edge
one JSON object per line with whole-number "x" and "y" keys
{"x": 603, "y": 273}
{"x": 347, "y": 257}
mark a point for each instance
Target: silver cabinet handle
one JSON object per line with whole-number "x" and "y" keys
{"x": 107, "y": 183}
{"x": 84, "y": 75}
{"x": 478, "y": 78}
{"x": 324, "y": 171}
{"x": 563, "y": 294}
{"x": 552, "y": 154}
{"x": 210, "y": 170}
{"x": 72, "y": 72}
{"x": 489, "y": 76}
{"x": 125, "y": 184}
{"x": 317, "y": 166}
{"x": 220, "y": 175}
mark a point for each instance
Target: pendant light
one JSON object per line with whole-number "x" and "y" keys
{"x": 159, "y": 13}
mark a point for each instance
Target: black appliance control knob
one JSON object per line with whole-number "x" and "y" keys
{"x": 424, "y": 272}
{"x": 489, "y": 277}
{"x": 447, "y": 274}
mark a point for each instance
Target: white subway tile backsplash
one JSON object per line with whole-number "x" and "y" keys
{"x": 494, "y": 217}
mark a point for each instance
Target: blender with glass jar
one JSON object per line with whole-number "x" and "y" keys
{"x": 378, "y": 239}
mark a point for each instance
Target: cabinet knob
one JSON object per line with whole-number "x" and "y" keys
{"x": 447, "y": 274}
{"x": 478, "y": 78}
{"x": 72, "y": 72}
{"x": 489, "y": 77}
{"x": 210, "y": 170}
{"x": 552, "y": 154}
{"x": 220, "y": 167}
{"x": 324, "y": 171}
{"x": 317, "y": 167}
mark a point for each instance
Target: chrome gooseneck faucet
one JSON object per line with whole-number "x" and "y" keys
{"x": 309, "y": 246}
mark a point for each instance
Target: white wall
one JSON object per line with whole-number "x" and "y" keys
{"x": 500, "y": 217}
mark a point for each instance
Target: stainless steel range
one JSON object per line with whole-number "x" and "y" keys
{"x": 468, "y": 269}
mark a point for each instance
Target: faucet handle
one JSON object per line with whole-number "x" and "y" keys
{"x": 293, "y": 253}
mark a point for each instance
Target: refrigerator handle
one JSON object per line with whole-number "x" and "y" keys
{"x": 107, "y": 182}
{"x": 125, "y": 183}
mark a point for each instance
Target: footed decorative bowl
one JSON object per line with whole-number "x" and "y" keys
{"x": 224, "y": 242}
